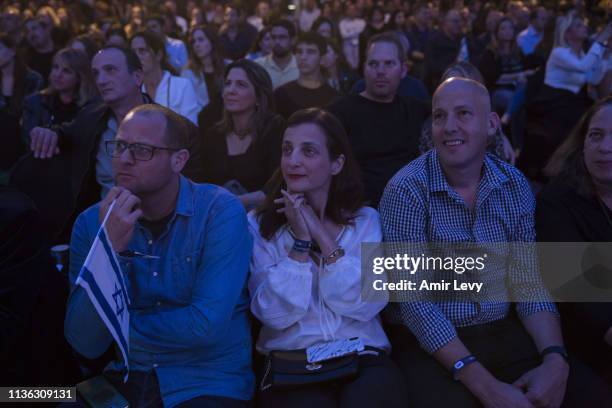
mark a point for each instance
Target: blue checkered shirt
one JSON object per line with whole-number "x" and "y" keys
{"x": 418, "y": 205}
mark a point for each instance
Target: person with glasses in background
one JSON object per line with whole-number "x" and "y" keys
{"x": 190, "y": 342}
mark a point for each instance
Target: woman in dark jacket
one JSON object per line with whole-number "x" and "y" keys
{"x": 70, "y": 88}
{"x": 243, "y": 150}
{"x": 577, "y": 207}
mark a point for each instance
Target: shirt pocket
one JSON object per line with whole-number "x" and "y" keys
{"x": 184, "y": 273}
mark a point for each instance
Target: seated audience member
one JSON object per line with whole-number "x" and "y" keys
{"x": 418, "y": 33}
{"x": 116, "y": 36}
{"x": 326, "y": 28}
{"x": 375, "y": 24}
{"x": 383, "y": 127}
{"x": 176, "y": 51}
{"x": 307, "y": 14}
{"x": 498, "y": 144}
{"x": 310, "y": 89}
{"x": 86, "y": 44}
{"x": 305, "y": 281}
{"x": 529, "y": 38}
{"x": 166, "y": 89}
{"x": 471, "y": 353}
{"x": 505, "y": 71}
{"x": 38, "y": 54}
{"x": 242, "y": 151}
{"x": 262, "y": 45}
{"x": 189, "y": 341}
{"x": 86, "y": 168}
{"x": 237, "y": 36}
{"x": 350, "y": 27}
{"x": 577, "y": 207}
{"x": 334, "y": 67}
{"x": 443, "y": 48}
{"x": 205, "y": 66}
{"x": 563, "y": 98}
{"x": 71, "y": 87}
{"x": 281, "y": 64}
{"x": 257, "y": 20}
{"x": 18, "y": 81}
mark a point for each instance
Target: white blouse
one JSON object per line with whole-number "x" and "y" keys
{"x": 566, "y": 70}
{"x": 301, "y": 304}
{"x": 177, "y": 94}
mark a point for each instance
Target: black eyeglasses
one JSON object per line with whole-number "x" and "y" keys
{"x": 139, "y": 151}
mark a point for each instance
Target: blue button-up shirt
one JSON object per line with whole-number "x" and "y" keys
{"x": 528, "y": 40}
{"x": 418, "y": 205}
{"x": 188, "y": 312}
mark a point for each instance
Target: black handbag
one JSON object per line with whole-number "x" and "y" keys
{"x": 290, "y": 369}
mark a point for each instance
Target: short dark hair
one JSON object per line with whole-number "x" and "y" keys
{"x": 287, "y": 25}
{"x": 131, "y": 59}
{"x": 176, "y": 133}
{"x": 313, "y": 38}
{"x": 389, "y": 38}
{"x": 156, "y": 43}
{"x": 115, "y": 30}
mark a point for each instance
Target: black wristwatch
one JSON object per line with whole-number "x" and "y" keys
{"x": 555, "y": 349}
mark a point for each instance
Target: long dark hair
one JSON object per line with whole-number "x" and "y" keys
{"x": 264, "y": 97}
{"x": 346, "y": 190}
{"x": 567, "y": 162}
{"x": 217, "y": 59}
{"x": 494, "y": 44}
{"x": 155, "y": 43}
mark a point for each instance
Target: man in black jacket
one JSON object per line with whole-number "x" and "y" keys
{"x": 77, "y": 148}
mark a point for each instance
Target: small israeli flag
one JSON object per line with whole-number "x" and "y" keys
{"x": 102, "y": 279}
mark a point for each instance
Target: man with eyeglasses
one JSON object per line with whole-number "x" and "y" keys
{"x": 117, "y": 72}
{"x": 184, "y": 250}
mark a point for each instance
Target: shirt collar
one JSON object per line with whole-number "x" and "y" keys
{"x": 292, "y": 64}
{"x": 184, "y": 203}
{"x": 493, "y": 177}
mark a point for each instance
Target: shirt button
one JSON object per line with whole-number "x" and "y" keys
{"x": 158, "y": 303}
{"x": 155, "y": 365}
{"x": 150, "y": 242}
{"x": 155, "y": 274}
{"x": 188, "y": 259}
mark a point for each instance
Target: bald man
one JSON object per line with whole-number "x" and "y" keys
{"x": 469, "y": 350}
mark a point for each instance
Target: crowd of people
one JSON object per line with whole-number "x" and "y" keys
{"x": 249, "y": 149}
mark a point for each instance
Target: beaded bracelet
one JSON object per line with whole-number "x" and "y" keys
{"x": 300, "y": 245}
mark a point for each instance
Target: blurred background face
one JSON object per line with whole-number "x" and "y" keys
{"x": 377, "y": 17}
{"x": 505, "y": 32}
{"x": 577, "y": 31}
{"x": 424, "y": 16}
{"x": 116, "y": 40}
{"x": 541, "y": 20}
{"x": 329, "y": 59}
{"x": 231, "y": 17}
{"x": 493, "y": 18}
{"x": 155, "y": 27}
{"x": 266, "y": 43}
{"x": 452, "y": 23}
{"x": 201, "y": 44}
{"x": 37, "y": 33}
{"x": 62, "y": 77}
{"x": 281, "y": 42}
{"x": 10, "y": 21}
{"x": 147, "y": 57}
{"x": 400, "y": 20}
{"x": 238, "y": 92}
{"x": 6, "y": 55}
{"x": 325, "y": 30}
{"x": 263, "y": 9}
{"x": 598, "y": 147}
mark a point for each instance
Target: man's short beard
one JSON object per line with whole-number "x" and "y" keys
{"x": 281, "y": 54}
